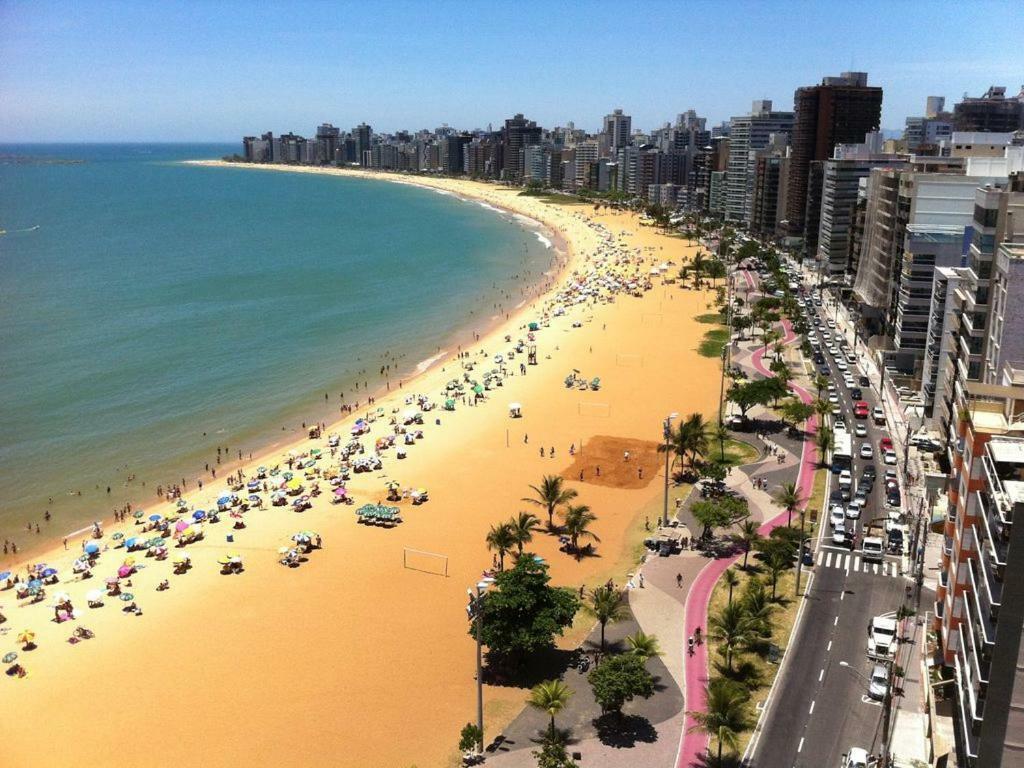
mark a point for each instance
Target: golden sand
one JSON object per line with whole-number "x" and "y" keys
{"x": 351, "y": 659}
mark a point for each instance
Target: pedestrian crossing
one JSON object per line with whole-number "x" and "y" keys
{"x": 852, "y": 563}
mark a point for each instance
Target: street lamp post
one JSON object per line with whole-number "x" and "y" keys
{"x": 475, "y": 610}
{"x": 668, "y": 435}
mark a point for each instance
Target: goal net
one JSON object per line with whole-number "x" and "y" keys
{"x": 426, "y": 562}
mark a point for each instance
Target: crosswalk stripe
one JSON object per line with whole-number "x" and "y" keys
{"x": 856, "y": 563}
{"x": 821, "y": 556}
{"x": 828, "y": 560}
{"x": 846, "y": 563}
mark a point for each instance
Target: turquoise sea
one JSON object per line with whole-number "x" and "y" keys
{"x": 151, "y": 312}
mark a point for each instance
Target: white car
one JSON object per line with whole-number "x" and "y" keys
{"x": 845, "y": 479}
{"x": 841, "y": 364}
{"x": 857, "y": 758}
{"x": 890, "y": 457}
{"x": 833, "y": 398}
{"x": 836, "y": 410}
{"x": 831, "y": 323}
{"x": 860, "y": 430}
{"x": 878, "y": 415}
{"x": 879, "y": 685}
{"x": 853, "y": 508}
{"x": 839, "y": 533}
{"x": 836, "y": 515}
{"x": 866, "y": 451}
{"x": 882, "y": 637}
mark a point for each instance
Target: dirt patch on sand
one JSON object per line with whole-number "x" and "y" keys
{"x": 602, "y": 462}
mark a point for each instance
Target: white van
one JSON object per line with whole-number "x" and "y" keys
{"x": 872, "y": 549}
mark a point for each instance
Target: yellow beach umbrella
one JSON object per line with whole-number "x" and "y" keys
{"x": 129, "y": 561}
{"x": 27, "y": 637}
{"x": 294, "y": 484}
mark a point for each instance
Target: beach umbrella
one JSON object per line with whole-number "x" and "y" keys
{"x": 182, "y": 503}
{"x": 5, "y": 575}
{"x": 157, "y": 542}
{"x": 198, "y": 514}
{"x": 92, "y": 548}
{"x": 111, "y": 581}
{"x": 223, "y": 501}
{"x": 131, "y": 542}
{"x": 127, "y": 597}
{"x": 287, "y": 476}
{"x": 478, "y": 389}
{"x": 116, "y": 537}
{"x": 156, "y": 518}
{"x": 181, "y": 525}
{"x": 138, "y": 514}
{"x": 35, "y": 584}
{"x": 255, "y": 499}
{"x": 10, "y": 658}
{"x": 253, "y": 484}
{"x": 61, "y": 597}
{"x": 283, "y": 550}
{"x": 27, "y": 637}
{"x": 124, "y": 571}
{"x": 94, "y": 595}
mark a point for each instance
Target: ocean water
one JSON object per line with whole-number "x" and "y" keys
{"x": 151, "y": 312}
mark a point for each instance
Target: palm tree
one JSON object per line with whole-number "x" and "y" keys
{"x": 731, "y": 580}
{"x": 720, "y": 432}
{"x": 731, "y": 629}
{"x": 778, "y": 561}
{"x": 577, "y": 525}
{"x": 749, "y": 535}
{"x": 550, "y": 696}
{"x": 822, "y": 407}
{"x": 501, "y": 538}
{"x": 825, "y": 441}
{"x": 523, "y": 526}
{"x": 606, "y": 607}
{"x": 643, "y": 645}
{"x": 697, "y": 430}
{"x": 788, "y": 497}
{"x": 770, "y": 337}
{"x": 724, "y": 716}
{"x": 697, "y": 267}
{"x": 551, "y": 494}
{"x": 820, "y": 382}
{"x": 759, "y": 610}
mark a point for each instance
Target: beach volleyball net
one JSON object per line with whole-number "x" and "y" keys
{"x": 425, "y": 562}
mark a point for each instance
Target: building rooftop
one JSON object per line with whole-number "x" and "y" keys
{"x": 1005, "y": 451}
{"x": 1015, "y": 490}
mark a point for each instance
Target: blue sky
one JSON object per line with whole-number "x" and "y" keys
{"x": 178, "y": 71}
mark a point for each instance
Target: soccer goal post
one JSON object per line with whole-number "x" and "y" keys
{"x": 425, "y": 562}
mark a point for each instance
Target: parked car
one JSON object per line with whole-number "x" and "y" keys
{"x": 864, "y": 381}
{"x": 885, "y": 444}
{"x": 878, "y": 686}
{"x": 878, "y": 415}
{"x": 889, "y": 458}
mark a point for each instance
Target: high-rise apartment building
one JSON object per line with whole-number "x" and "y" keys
{"x": 328, "y": 139}
{"x": 362, "y": 133}
{"x": 518, "y": 134}
{"x": 839, "y": 111}
{"x": 991, "y": 112}
{"x": 618, "y": 128}
{"x": 747, "y": 134}
{"x": 770, "y": 182}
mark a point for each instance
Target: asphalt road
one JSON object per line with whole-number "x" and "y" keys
{"x": 820, "y": 709}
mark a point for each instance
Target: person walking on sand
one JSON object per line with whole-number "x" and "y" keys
{"x": 542, "y": 451}
{"x": 679, "y": 581}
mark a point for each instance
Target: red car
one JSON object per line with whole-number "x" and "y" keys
{"x": 885, "y": 444}
{"x": 861, "y": 410}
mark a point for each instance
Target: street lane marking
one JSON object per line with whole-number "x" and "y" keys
{"x": 829, "y": 648}
{"x": 828, "y": 560}
{"x": 811, "y": 712}
{"x": 856, "y": 563}
{"x": 836, "y": 622}
{"x": 821, "y": 675}
{"x": 800, "y": 746}
{"x": 874, "y": 567}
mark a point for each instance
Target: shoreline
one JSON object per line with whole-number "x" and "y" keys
{"x": 265, "y": 448}
{"x": 371, "y": 631}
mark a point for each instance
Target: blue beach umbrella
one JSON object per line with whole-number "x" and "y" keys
{"x": 130, "y": 542}
{"x": 254, "y": 498}
{"x": 199, "y": 514}
{"x": 5, "y": 575}
{"x": 156, "y": 518}
{"x": 47, "y": 573}
{"x": 92, "y": 548}
{"x": 35, "y": 584}
{"x": 224, "y": 500}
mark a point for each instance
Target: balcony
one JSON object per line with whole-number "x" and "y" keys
{"x": 995, "y": 535}
{"x": 977, "y": 651}
{"x": 970, "y": 717}
{"x": 980, "y": 597}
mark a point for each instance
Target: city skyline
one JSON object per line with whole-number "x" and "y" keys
{"x": 221, "y": 70}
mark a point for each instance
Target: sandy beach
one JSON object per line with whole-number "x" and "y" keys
{"x": 352, "y": 659}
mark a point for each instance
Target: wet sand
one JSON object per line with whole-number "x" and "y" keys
{"x": 351, "y": 659}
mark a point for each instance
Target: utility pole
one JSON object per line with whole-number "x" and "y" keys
{"x": 475, "y": 610}
{"x": 668, "y": 448}
{"x": 800, "y": 559}
{"x": 887, "y": 714}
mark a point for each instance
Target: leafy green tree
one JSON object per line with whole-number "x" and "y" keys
{"x": 620, "y": 679}
{"x": 552, "y": 754}
{"x": 775, "y": 388}
{"x": 523, "y": 614}
{"x": 721, "y": 512}
{"x": 741, "y": 323}
{"x": 501, "y": 539}
{"x": 759, "y": 609}
{"x": 471, "y": 737}
{"x": 747, "y": 394}
{"x": 577, "y": 520}
{"x": 550, "y": 696}
{"x": 725, "y": 716}
{"x": 605, "y": 605}
{"x": 796, "y": 412}
{"x": 523, "y": 525}
{"x": 551, "y": 494}
{"x": 643, "y": 645}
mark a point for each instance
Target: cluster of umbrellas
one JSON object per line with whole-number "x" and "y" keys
{"x": 374, "y": 514}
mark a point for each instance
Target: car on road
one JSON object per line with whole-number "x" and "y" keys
{"x": 878, "y": 415}
{"x": 872, "y": 549}
{"x": 866, "y": 451}
{"x": 825, "y": 370}
{"x": 889, "y": 458}
{"x": 856, "y": 758}
{"x": 833, "y": 398}
{"x": 839, "y": 534}
{"x": 869, "y": 471}
{"x": 841, "y": 364}
{"x": 853, "y": 508}
{"x": 885, "y": 444}
{"x": 860, "y": 409}
{"x": 845, "y": 479}
{"x": 836, "y": 515}
{"x": 892, "y": 498}
{"x": 856, "y": 393}
{"x": 860, "y": 430}
{"x": 836, "y": 410}
{"x": 878, "y": 686}
{"x": 847, "y": 379}
{"x": 882, "y": 637}
{"x": 819, "y": 358}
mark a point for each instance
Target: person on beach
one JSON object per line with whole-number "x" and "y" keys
{"x": 679, "y": 581}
